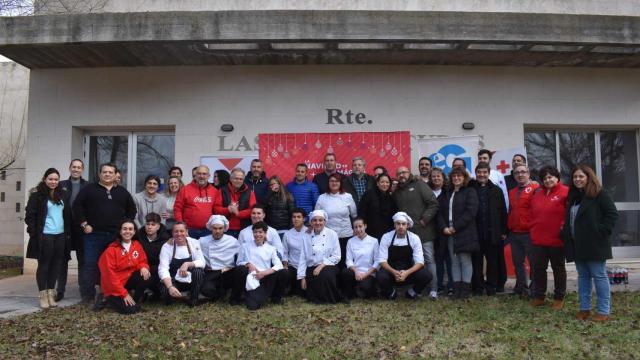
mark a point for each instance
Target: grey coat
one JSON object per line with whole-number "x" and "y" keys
{"x": 418, "y": 201}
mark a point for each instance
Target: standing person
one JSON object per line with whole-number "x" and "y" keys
{"x": 272, "y": 236}
{"x": 220, "y": 253}
{"x": 175, "y": 171}
{"x": 257, "y": 181}
{"x": 548, "y": 207}
{"x": 340, "y": 208}
{"x": 181, "y": 266}
{"x": 292, "y": 245}
{"x": 519, "y": 223}
{"x": 362, "y": 262}
{"x": 438, "y": 184}
{"x": 220, "y": 179}
{"x": 401, "y": 260}
{"x": 235, "y": 202}
{"x": 72, "y": 186}
{"x": 174, "y": 186}
{"x": 359, "y": 181}
{"x": 305, "y": 193}
{"x": 152, "y": 236}
{"x": 424, "y": 166}
{"x": 377, "y": 207}
{"x": 48, "y": 219}
{"x": 195, "y": 202}
{"x": 457, "y": 221}
{"x": 261, "y": 261}
{"x": 123, "y": 268}
{"x": 510, "y": 180}
{"x": 322, "y": 179}
{"x": 150, "y": 201}
{"x": 484, "y": 156}
{"x": 100, "y": 207}
{"x": 320, "y": 253}
{"x": 414, "y": 197}
{"x": 492, "y": 231}
{"x": 278, "y": 206}
{"x": 590, "y": 219}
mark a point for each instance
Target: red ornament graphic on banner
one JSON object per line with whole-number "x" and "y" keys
{"x": 281, "y": 152}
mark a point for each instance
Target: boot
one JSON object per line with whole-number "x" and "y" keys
{"x": 537, "y": 302}
{"x": 44, "y": 299}
{"x": 600, "y": 318}
{"x": 465, "y": 291}
{"x": 583, "y": 314}
{"x": 457, "y": 289}
{"x": 51, "y": 294}
{"x": 557, "y": 304}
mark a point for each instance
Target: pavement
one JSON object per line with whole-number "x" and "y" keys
{"x": 19, "y": 294}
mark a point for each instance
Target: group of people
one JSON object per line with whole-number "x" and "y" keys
{"x": 329, "y": 239}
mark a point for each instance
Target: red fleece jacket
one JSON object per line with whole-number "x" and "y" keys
{"x": 116, "y": 266}
{"x": 520, "y": 208}
{"x": 547, "y": 216}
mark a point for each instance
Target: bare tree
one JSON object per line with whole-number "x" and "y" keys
{"x": 31, "y": 7}
{"x": 12, "y": 141}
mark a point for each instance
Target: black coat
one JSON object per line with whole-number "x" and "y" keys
{"x": 465, "y": 210}
{"x": 35, "y": 217}
{"x": 347, "y": 185}
{"x": 278, "y": 212}
{"x": 152, "y": 249}
{"x": 497, "y": 212}
{"x": 76, "y": 232}
{"x": 593, "y": 226}
{"x": 377, "y": 209}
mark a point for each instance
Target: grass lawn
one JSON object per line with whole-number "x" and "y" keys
{"x": 10, "y": 266}
{"x": 493, "y": 328}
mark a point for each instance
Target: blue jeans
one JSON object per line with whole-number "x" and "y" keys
{"x": 461, "y": 265}
{"x": 94, "y": 245}
{"x": 198, "y": 233}
{"x": 595, "y": 271}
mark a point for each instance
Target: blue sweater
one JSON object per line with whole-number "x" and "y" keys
{"x": 304, "y": 195}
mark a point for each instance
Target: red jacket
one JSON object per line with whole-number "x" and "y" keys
{"x": 245, "y": 199}
{"x": 194, "y": 205}
{"x": 116, "y": 266}
{"x": 547, "y": 216}
{"x": 520, "y": 208}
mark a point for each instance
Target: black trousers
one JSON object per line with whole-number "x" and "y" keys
{"x": 323, "y": 289}
{"x": 216, "y": 284}
{"x": 271, "y": 287}
{"x": 50, "y": 260}
{"x": 138, "y": 285}
{"x": 493, "y": 254}
{"x": 367, "y": 286}
{"x": 197, "y": 278}
{"x": 343, "y": 252}
{"x": 294, "y": 284}
{"x": 419, "y": 279}
{"x": 542, "y": 255}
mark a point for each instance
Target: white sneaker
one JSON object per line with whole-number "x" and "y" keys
{"x": 433, "y": 295}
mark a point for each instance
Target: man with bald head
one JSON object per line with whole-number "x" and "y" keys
{"x": 194, "y": 203}
{"x": 414, "y": 197}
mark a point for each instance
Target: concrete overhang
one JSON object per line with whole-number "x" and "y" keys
{"x": 300, "y": 37}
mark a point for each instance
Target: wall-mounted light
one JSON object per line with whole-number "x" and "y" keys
{"x": 226, "y": 127}
{"x": 468, "y": 126}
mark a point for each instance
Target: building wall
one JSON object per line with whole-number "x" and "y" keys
{"x": 14, "y": 92}
{"x": 600, "y": 7}
{"x": 425, "y": 100}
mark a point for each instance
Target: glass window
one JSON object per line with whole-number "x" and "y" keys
{"x": 18, "y": 207}
{"x": 618, "y": 150}
{"x": 627, "y": 229}
{"x": 154, "y": 156}
{"x": 108, "y": 149}
{"x": 2, "y": 196}
{"x": 576, "y": 147}
{"x": 3, "y": 175}
{"x": 541, "y": 150}
{"x": 18, "y": 185}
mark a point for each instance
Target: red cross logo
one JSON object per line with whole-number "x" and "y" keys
{"x": 503, "y": 166}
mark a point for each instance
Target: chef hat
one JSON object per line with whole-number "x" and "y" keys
{"x": 320, "y": 213}
{"x": 218, "y": 219}
{"x": 402, "y": 216}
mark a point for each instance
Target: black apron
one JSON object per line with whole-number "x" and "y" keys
{"x": 175, "y": 264}
{"x": 400, "y": 257}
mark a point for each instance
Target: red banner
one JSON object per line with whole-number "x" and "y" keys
{"x": 281, "y": 152}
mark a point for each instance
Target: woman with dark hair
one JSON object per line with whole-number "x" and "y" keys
{"x": 279, "y": 206}
{"x": 174, "y": 184}
{"x": 123, "y": 268}
{"x": 362, "y": 262}
{"x": 48, "y": 219}
{"x": 438, "y": 184}
{"x": 377, "y": 207}
{"x": 548, "y": 207}
{"x": 340, "y": 209}
{"x": 220, "y": 178}
{"x": 150, "y": 201}
{"x": 457, "y": 222}
{"x": 590, "y": 218}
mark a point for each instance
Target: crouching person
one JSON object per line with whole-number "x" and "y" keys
{"x": 123, "y": 267}
{"x": 220, "y": 253}
{"x": 181, "y": 266}
{"x": 401, "y": 260}
{"x": 362, "y": 262}
{"x": 152, "y": 236}
{"x": 261, "y": 269}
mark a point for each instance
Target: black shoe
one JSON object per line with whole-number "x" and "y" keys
{"x": 100, "y": 302}
{"x": 59, "y": 295}
{"x": 235, "y": 302}
{"x": 491, "y": 292}
{"x": 277, "y": 301}
{"x": 393, "y": 295}
{"x": 500, "y": 289}
{"x": 193, "y": 302}
{"x": 409, "y": 296}
{"x": 450, "y": 292}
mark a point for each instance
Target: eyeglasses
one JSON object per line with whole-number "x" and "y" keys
{"x": 521, "y": 172}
